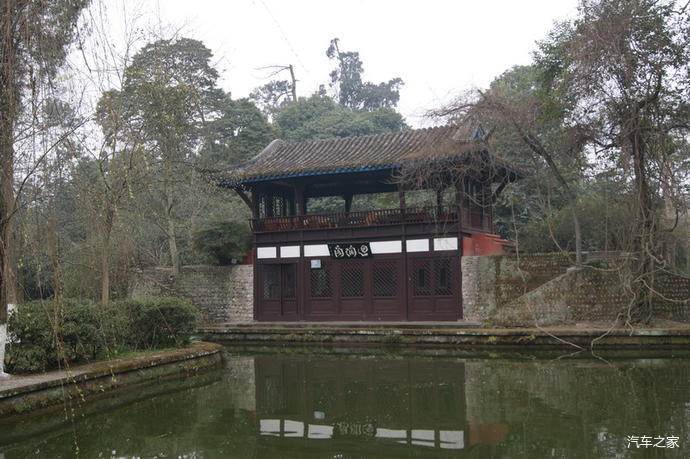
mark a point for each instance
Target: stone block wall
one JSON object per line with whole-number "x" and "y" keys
{"x": 223, "y": 294}
{"x": 497, "y": 289}
{"x": 489, "y": 282}
{"x": 540, "y": 290}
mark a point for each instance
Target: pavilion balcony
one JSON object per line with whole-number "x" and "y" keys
{"x": 370, "y": 218}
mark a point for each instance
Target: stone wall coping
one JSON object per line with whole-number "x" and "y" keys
{"x": 478, "y": 338}
{"x": 17, "y": 385}
{"x": 364, "y": 330}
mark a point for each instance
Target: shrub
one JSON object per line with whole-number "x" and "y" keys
{"x": 45, "y": 334}
{"x": 159, "y": 322}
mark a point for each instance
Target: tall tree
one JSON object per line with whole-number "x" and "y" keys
{"x": 34, "y": 35}
{"x": 276, "y": 93}
{"x": 318, "y": 117}
{"x": 237, "y": 133}
{"x": 272, "y": 96}
{"x": 351, "y": 91}
{"x": 625, "y": 66}
{"x": 523, "y": 112}
{"x": 170, "y": 92}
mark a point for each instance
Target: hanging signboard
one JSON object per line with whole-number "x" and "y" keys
{"x": 350, "y": 250}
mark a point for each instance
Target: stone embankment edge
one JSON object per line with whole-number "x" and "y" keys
{"x": 494, "y": 338}
{"x": 85, "y": 381}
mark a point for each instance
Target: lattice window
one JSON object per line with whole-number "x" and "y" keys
{"x": 320, "y": 282}
{"x": 421, "y": 277}
{"x": 289, "y": 281}
{"x": 443, "y": 274}
{"x": 352, "y": 280}
{"x": 385, "y": 277}
{"x": 270, "y": 276}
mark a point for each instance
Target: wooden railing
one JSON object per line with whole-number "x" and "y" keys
{"x": 379, "y": 217}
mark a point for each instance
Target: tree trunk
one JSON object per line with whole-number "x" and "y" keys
{"x": 169, "y": 203}
{"x": 7, "y": 120}
{"x": 105, "y": 270}
{"x": 671, "y": 220}
{"x": 644, "y": 245}
{"x": 8, "y": 115}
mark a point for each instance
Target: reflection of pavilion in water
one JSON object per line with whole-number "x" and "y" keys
{"x": 364, "y": 404}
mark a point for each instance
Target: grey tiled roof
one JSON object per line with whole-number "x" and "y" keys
{"x": 281, "y": 159}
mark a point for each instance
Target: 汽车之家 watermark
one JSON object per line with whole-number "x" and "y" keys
{"x": 648, "y": 441}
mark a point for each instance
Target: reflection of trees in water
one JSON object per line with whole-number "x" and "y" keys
{"x": 578, "y": 408}
{"x": 179, "y": 418}
{"x": 362, "y": 406}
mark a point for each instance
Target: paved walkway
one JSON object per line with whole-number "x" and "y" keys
{"x": 11, "y": 382}
{"x": 19, "y": 384}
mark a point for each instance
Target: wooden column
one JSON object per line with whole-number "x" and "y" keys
{"x": 348, "y": 202}
{"x": 255, "y": 204}
{"x": 401, "y": 198}
{"x": 487, "y": 207}
{"x": 458, "y": 202}
{"x": 269, "y": 204}
{"x": 300, "y": 200}
{"x": 459, "y": 198}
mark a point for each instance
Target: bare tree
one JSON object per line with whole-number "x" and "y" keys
{"x": 628, "y": 77}
{"x": 33, "y": 39}
{"x": 527, "y": 116}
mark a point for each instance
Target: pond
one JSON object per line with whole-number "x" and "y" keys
{"x": 332, "y": 402}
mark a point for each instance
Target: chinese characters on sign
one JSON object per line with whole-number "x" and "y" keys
{"x": 647, "y": 441}
{"x": 358, "y": 250}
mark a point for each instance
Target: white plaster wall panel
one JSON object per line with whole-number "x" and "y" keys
{"x": 3, "y": 342}
{"x": 390, "y": 433}
{"x": 445, "y": 243}
{"x": 319, "y": 431}
{"x": 290, "y": 251}
{"x": 452, "y": 439}
{"x": 380, "y": 247}
{"x": 317, "y": 250}
{"x": 417, "y": 245}
{"x": 266, "y": 252}
{"x": 293, "y": 429}
{"x": 270, "y": 427}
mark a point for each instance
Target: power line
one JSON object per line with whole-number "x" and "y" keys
{"x": 282, "y": 32}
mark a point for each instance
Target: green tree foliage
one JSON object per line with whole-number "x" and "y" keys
{"x": 223, "y": 242}
{"x": 238, "y": 132}
{"x": 351, "y": 91}
{"x": 318, "y": 117}
{"x": 272, "y": 96}
{"x": 169, "y": 93}
{"x": 169, "y": 90}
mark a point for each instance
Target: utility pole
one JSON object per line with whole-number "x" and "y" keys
{"x": 294, "y": 83}
{"x": 282, "y": 68}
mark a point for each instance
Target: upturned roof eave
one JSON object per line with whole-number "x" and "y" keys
{"x": 228, "y": 182}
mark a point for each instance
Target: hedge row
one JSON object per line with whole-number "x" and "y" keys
{"x": 46, "y": 334}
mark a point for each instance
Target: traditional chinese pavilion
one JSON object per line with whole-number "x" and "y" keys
{"x": 396, "y": 263}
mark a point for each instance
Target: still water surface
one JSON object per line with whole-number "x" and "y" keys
{"x": 328, "y": 403}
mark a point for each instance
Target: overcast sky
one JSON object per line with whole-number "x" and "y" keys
{"x": 437, "y": 47}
